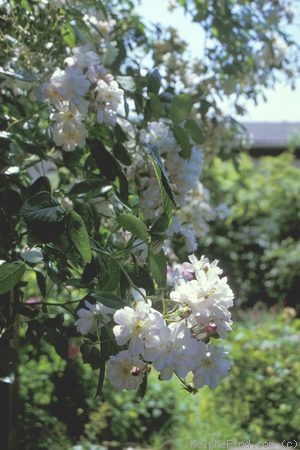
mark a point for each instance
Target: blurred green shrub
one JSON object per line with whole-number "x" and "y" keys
{"x": 261, "y": 395}
{"x": 127, "y": 417}
{"x": 258, "y": 243}
{"x": 259, "y": 400}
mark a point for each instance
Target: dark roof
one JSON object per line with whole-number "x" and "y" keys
{"x": 272, "y": 135}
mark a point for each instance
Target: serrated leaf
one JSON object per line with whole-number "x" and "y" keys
{"x": 42, "y": 207}
{"x": 158, "y": 267}
{"x": 135, "y": 225}
{"x": 79, "y": 236}
{"x": 181, "y": 106}
{"x": 195, "y": 131}
{"x": 10, "y": 275}
{"x": 33, "y": 256}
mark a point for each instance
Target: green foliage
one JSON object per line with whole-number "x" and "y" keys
{"x": 258, "y": 242}
{"x": 158, "y": 267}
{"x": 257, "y": 402}
{"x": 67, "y": 207}
{"x": 134, "y": 225}
{"x": 125, "y": 417}
{"x": 262, "y": 390}
{"x": 10, "y": 275}
{"x": 41, "y": 431}
{"x": 79, "y": 236}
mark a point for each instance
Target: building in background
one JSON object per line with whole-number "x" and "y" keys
{"x": 273, "y": 138}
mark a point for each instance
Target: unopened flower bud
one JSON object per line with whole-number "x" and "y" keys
{"x": 210, "y": 328}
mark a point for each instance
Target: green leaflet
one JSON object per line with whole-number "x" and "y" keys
{"x": 10, "y": 274}
{"x": 79, "y": 236}
{"x": 135, "y": 225}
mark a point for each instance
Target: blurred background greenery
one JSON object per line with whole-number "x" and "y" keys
{"x": 258, "y": 246}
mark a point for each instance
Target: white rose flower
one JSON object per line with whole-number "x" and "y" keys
{"x": 94, "y": 315}
{"x": 135, "y": 324}
{"x": 171, "y": 349}
{"x": 211, "y": 364}
{"x": 69, "y": 135}
{"x": 125, "y": 371}
{"x": 205, "y": 299}
{"x": 82, "y": 57}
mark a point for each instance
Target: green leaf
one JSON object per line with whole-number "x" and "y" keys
{"x": 41, "y": 282}
{"x": 181, "y": 106}
{"x": 156, "y": 108}
{"x": 26, "y": 5}
{"x": 59, "y": 341}
{"x": 10, "y": 274}
{"x": 68, "y": 35}
{"x": 108, "y": 299}
{"x": 157, "y": 233}
{"x": 79, "y": 236}
{"x": 41, "y": 184}
{"x": 158, "y": 267}
{"x": 113, "y": 276}
{"x": 121, "y": 153}
{"x": 183, "y": 140}
{"x": 104, "y": 160}
{"x": 90, "y": 355}
{"x": 92, "y": 187}
{"x": 195, "y": 131}
{"x": 161, "y": 174}
{"x": 33, "y": 256}
{"x": 134, "y": 225}
{"x": 161, "y": 224}
{"x": 42, "y": 208}
{"x": 154, "y": 81}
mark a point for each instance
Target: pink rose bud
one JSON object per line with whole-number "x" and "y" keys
{"x": 210, "y": 328}
{"x": 73, "y": 350}
{"x": 33, "y": 302}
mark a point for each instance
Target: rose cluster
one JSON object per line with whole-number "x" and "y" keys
{"x": 183, "y": 176}
{"x": 177, "y": 342}
{"x": 83, "y": 86}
